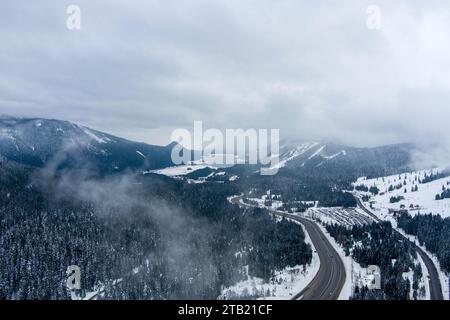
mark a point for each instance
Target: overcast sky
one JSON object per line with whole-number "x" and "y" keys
{"x": 313, "y": 69}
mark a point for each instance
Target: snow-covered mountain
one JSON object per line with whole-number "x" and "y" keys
{"x": 307, "y": 151}
{"x": 317, "y": 155}
{"x": 61, "y": 144}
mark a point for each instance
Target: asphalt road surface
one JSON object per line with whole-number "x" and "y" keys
{"x": 433, "y": 279}
{"x": 329, "y": 280}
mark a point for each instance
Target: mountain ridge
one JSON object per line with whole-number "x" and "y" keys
{"x": 63, "y": 144}
{"x": 40, "y": 142}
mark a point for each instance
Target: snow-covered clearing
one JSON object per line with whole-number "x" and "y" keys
{"x": 274, "y": 204}
{"x": 180, "y": 170}
{"x": 423, "y": 200}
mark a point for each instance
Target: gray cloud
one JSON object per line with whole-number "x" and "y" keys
{"x": 140, "y": 69}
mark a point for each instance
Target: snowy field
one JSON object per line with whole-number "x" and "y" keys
{"x": 423, "y": 200}
{"x": 180, "y": 170}
{"x": 206, "y": 162}
{"x": 275, "y": 204}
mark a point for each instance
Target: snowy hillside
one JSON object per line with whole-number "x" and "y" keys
{"x": 345, "y": 160}
{"x": 304, "y": 152}
{"x": 410, "y": 191}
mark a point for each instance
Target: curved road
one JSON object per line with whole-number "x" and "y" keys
{"x": 329, "y": 280}
{"x": 434, "y": 282}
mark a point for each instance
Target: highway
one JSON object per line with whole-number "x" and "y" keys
{"x": 329, "y": 280}
{"x": 434, "y": 282}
